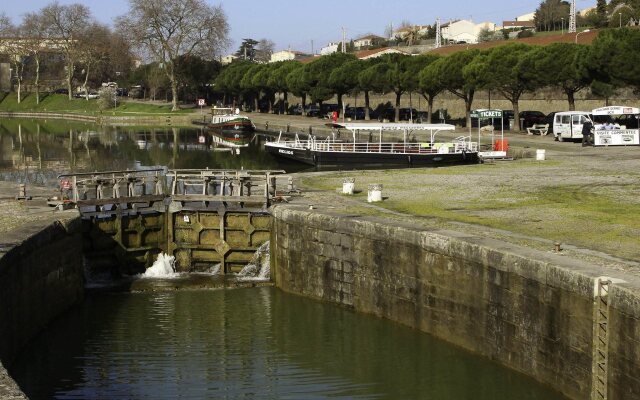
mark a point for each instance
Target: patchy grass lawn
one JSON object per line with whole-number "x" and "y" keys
{"x": 61, "y": 103}
{"x": 552, "y": 200}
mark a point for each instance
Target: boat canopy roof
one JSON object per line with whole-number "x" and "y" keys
{"x": 616, "y": 110}
{"x": 392, "y": 127}
{"x": 224, "y": 111}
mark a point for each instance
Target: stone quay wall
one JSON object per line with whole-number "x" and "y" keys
{"x": 531, "y": 311}
{"x": 40, "y": 278}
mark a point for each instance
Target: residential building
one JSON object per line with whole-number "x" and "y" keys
{"x": 518, "y": 25}
{"x": 367, "y": 41}
{"x": 329, "y": 49}
{"x": 287, "y": 55}
{"x": 49, "y": 45}
{"x": 526, "y": 17}
{"x": 586, "y": 11}
{"x": 228, "y": 59}
{"x": 464, "y": 31}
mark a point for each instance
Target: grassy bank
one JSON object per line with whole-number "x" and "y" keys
{"x": 59, "y": 103}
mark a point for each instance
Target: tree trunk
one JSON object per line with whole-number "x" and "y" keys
{"x": 285, "y": 102}
{"x": 37, "y": 78}
{"x": 516, "y": 114}
{"x": 174, "y": 93}
{"x": 430, "y": 100}
{"x": 367, "y": 117}
{"x": 398, "y": 96}
{"x": 255, "y": 103}
{"x": 572, "y": 99}
{"x": 19, "y": 90}
{"x": 84, "y": 85}
{"x": 304, "y": 103}
{"x": 340, "y": 103}
{"x": 468, "y": 102}
{"x": 70, "y": 67}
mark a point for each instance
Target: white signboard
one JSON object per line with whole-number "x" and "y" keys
{"x": 615, "y": 110}
{"x": 617, "y": 137}
{"x": 202, "y": 102}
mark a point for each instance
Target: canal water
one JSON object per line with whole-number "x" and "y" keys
{"x": 37, "y": 151}
{"x": 249, "y": 343}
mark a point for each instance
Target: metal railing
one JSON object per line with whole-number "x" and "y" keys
{"x": 458, "y": 145}
{"x": 152, "y": 185}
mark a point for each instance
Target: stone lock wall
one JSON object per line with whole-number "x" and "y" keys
{"x": 530, "y": 311}
{"x": 40, "y": 278}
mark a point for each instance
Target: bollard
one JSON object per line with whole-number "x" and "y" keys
{"x": 375, "y": 193}
{"x": 348, "y": 185}
{"x": 22, "y": 192}
{"x": 288, "y": 127}
{"x": 266, "y": 126}
{"x": 556, "y": 247}
{"x": 290, "y": 187}
{"x": 310, "y": 130}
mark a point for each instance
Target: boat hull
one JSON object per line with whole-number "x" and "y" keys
{"x": 240, "y": 126}
{"x": 355, "y": 160}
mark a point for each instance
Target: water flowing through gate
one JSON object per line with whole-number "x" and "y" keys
{"x": 204, "y": 218}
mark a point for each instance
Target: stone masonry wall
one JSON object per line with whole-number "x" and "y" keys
{"x": 39, "y": 279}
{"x": 528, "y": 310}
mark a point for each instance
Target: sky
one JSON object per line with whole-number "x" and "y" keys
{"x": 295, "y": 24}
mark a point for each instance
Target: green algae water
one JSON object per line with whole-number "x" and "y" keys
{"x": 255, "y": 343}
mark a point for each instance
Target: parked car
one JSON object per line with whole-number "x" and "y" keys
{"x": 122, "y": 92}
{"x": 313, "y": 110}
{"x": 61, "y": 91}
{"x": 296, "y": 110}
{"x": 388, "y": 114}
{"x": 530, "y": 118}
{"x": 84, "y": 95}
{"x": 136, "y": 92}
{"x": 357, "y": 113}
{"x": 408, "y": 114}
{"x": 327, "y": 110}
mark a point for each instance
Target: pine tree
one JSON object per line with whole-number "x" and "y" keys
{"x": 601, "y": 11}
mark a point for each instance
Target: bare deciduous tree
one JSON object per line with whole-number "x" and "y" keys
{"x": 264, "y": 50}
{"x": 15, "y": 50}
{"x": 168, "y": 29}
{"x": 36, "y": 37}
{"x": 5, "y": 24}
{"x": 92, "y": 49}
{"x": 66, "y": 24}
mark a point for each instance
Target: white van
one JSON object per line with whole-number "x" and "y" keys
{"x": 567, "y": 125}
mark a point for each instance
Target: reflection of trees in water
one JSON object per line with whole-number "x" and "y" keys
{"x": 40, "y": 150}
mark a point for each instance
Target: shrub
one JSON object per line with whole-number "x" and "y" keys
{"x": 525, "y": 34}
{"x": 107, "y": 98}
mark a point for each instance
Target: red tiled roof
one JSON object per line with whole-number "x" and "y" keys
{"x": 368, "y": 53}
{"x": 518, "y": 24}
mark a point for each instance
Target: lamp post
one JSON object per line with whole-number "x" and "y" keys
{"x": 579, "y": 33}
